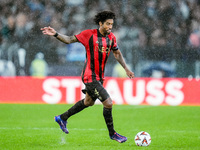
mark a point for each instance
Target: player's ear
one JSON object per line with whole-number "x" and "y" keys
{"x": 100, "y": 23}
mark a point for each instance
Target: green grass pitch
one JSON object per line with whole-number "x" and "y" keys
{"x": 32, "y": 127}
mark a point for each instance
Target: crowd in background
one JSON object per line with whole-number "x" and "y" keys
{"x": 140, "y": 24}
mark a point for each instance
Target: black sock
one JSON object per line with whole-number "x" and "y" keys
{"x": 73, "y": 110}
{"x": 107, "y": 113}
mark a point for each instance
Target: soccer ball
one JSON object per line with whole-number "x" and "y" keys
{"x": 142, "y": 139}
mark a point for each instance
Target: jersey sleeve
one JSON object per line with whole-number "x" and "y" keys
{"x": 83, "y": 37}
{"x": 114, "y": 44}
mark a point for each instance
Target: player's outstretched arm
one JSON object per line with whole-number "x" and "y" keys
{"x": 119, "y": 57}
{"x": 63, "y": 38}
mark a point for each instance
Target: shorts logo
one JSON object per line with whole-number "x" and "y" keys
{"x": 97, "y": 93}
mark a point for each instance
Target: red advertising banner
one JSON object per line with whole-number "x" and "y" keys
{"x": 67, "y": 90}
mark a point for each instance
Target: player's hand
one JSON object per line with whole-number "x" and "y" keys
{"x": 48, "y": 30}
{"x": 130, "y": 74}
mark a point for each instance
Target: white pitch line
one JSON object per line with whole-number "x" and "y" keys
{"x": 34, "y": 128}
{"x": 135, "y": 107}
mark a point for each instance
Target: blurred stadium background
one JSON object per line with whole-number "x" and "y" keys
{"x": 158, "y": 38}
{"x": 152, "y": 34}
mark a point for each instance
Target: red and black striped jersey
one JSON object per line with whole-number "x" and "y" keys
{"x": 98, "y": 48}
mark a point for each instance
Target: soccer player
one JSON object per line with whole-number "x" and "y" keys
{"x": 98, "y": 45}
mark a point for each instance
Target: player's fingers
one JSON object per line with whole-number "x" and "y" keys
{"x": 44, "y": 32}
{"x": 43, "y": 29}
{"x": 131, "y": 76}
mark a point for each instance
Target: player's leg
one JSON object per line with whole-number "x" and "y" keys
{"x": 79, "y": 106}
{"x": 88, "y": 100}
{"x": 107, "y": 113}
{"x": 97, "y": 90}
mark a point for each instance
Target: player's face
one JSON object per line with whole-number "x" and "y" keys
{"x": 106, "y": 27}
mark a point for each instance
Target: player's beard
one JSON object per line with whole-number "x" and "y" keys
{"x": 107, "y": 31}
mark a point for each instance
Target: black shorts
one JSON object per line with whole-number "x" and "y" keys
{"x": 96, "y": 90}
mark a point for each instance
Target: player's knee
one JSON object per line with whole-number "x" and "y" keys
{"x": 108, "y": 103}
{"x": 88, "y": 102}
